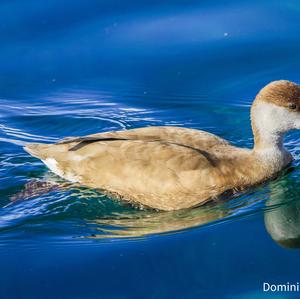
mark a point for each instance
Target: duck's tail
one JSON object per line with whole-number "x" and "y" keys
{"x": 37, "y": 150}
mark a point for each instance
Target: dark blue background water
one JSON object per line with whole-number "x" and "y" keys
{"x": 71, "y": 68}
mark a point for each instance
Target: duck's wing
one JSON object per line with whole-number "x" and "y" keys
{"x": 163, "y": 168}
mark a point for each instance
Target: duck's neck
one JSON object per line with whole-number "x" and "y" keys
{"x": 268, "y": 143}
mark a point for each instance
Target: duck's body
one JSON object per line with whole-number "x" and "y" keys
{"x": 162, "y": 167}
{"x": 167, "y": 168}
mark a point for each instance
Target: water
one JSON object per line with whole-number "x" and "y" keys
{"x": 81, "y": 67}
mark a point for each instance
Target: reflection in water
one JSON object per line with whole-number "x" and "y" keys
{"x": 158, "y": 222}
{"x": 134, "y": 222}
{"x": 282, "y": 217}
{"x": 35, "y": 188}
{"x": 55, "y": 199}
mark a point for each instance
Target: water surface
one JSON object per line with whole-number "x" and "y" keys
{"x": 81, "y": 67}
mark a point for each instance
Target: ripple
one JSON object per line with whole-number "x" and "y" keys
{"x": 18, "y": 133}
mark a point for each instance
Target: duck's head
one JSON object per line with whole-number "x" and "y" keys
{"x": 275, "y": 111}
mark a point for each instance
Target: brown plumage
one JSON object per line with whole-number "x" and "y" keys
{"x": 170, "y": 168}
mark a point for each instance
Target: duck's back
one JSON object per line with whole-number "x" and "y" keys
{"x": 196, "y": 139}
{"x": 161, "y": 167}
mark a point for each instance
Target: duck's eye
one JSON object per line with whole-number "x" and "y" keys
{"x": 292, "y": 106}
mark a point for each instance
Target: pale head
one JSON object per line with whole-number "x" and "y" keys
{"x": 275, "y": 111}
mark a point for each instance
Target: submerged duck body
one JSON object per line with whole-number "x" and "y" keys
{"x": 170, "y": 168}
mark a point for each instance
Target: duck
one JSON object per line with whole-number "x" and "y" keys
{"x": 171, "y": 168}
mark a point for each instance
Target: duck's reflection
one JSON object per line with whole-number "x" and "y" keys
{"x": 151, "y": 222}
{"x": 128, "y": 222}
{"x": 282, "y": 216}
{"x": 281, "y": 213}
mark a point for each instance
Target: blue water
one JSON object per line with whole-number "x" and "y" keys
{"x": 71, "y": 68}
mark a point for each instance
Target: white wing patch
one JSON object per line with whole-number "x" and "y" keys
{"x": 52, "y": 164}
